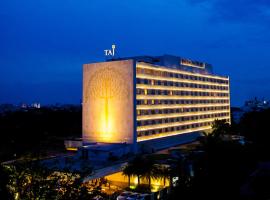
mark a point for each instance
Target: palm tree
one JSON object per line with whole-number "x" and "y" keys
{"x": 134, "y": 168}
{"x": 141, "y": 168}
{"x": 149, "y": 171}
{"x": 163, "y": 172}
{"x": 128, "y": 171}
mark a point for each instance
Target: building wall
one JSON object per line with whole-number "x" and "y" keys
{"x": 168, "y": 102}
{"x": 108, "y": 107}
{"x": 172, "y": 102}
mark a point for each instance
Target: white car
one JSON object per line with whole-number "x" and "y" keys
{"x": 133, "y": 196}
{"x": 142, "y": 196}
{"x": 124, "y": 195}
{"x": 98, "y": 198}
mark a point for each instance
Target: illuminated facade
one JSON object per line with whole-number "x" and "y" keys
{"x": 143, "y": 98}
{"x": 108, "y": 101}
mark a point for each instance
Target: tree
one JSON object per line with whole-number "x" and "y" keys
{"x": 220, "y": 128}
{"x": 29, "y": 179}
{"x": 128, "y": 171}
{"x": 149, "y": 171}
{"x": 163, "y": 172}
{"x": 141, "y": 167}
{"x": 136, "y": 167}
{"x": 3, "y": 183}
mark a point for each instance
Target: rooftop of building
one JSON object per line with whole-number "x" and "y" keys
{"x": 174, "y": 62}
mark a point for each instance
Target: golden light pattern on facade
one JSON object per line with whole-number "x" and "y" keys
{"x": 173, "y": 133}
{"x": 156, "y": 87}
{"x": 190, "y": 122}
{"x": 176, "y": 97}
{"x": 144, "y": 76}
{"x": 107, "y": 84}
{"x": 108, "y": 102}
{"x": 157, "y": 116}
{"x": 151, "y": 107}
{"x": 172, "y": 102}
{"x": 177, "y": 71}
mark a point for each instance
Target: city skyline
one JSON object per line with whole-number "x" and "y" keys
{"x": 45, "y": 43}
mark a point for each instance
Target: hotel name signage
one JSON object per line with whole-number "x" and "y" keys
{"x": 110, "y": 52}
{"x": 192, "y": 63}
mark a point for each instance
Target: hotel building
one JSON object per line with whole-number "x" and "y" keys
{"x": 160, "y": 101}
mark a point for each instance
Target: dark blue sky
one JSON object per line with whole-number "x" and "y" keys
{"x": 43, "y": 43}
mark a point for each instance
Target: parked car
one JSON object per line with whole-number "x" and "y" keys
{"x": 133, "y": 196}
{"x": 98, "y": 198}
{"x": 143, "y": 197}
{"x": 124, "y": 195}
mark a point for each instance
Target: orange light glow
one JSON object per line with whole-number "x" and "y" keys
{"x": 72, "y": 148}
{"x": 108, "y": 102}
{"x": 156, "y": 183}
{"x": 106, "y": 123}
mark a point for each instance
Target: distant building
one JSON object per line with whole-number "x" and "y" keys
{"x": 256, "y": 105}
{"x": 155, "y": 102}
{"x": 29, "y": 106}
{"x": 24, "y": 106}
{"x": 35, "y": 105}
{"x": 249, "y": 106}
{"x": 7, "y": 108}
